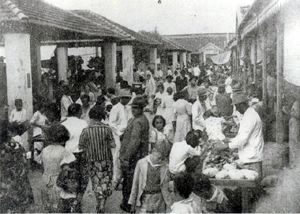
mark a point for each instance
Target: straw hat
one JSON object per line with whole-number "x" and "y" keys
{"x": 239, "y": 98}
{"x": 125, "y": 93}
{"x": 139, "y": 101}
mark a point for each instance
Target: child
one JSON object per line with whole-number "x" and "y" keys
{"x": 167, "y": 103}
{"x": 67, "y": 180}
{"x": 159, "y": 134}
{"x": 53, "y": 157}
{"x": 182, "y": 150}
{"x": 150, "y": 188}
{"x": 18, "y": 114}
{"x": 38, "y": 121}
{"x": 183, "y": 187}
{"x": 212, "y": 197}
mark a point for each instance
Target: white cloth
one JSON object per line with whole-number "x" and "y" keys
{"x": 167, "y": 103}
{"x": 249, "y": 139}
{"x": 182, "y": 111}
{"x": 18, "y": 116}
{"x": 185, "y": 206}
{"x": 228, "y": 88}
{"x": 179, "y": 153}
{"x": 170, "y": 72}
{"x": 197, "y": 112}
{"x": 38, "y": 119}
{"x": 65, "y": 102}
{"x": 172, "y": 85}
{"x": 74, "y": 126}
{"x": 213, "y": 126}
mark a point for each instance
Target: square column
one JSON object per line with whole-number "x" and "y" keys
{"x": 62, "y": 61}
{"x": 127, "y": 63}
{"x": 110, "y": 54}
{"x": 174, "y": 60}
{"x": 189, "y": 58}
{"x": 35, "y": 55}
{"x": 183, "y": 59}
{"x": 18, "y": 69}
{"x": 153, "y": 57}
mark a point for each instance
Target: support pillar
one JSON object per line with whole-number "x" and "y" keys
{"x": 255, "y": 58}
{"x": 127, "y": 62}
{"x": 264, "y": 70}
{"x": 110, "y": 54}
{"x": 35, "y": 55}
{"x": 62, "y": 62}
{"x": 183, "y": 59}
{"x": 279, "y": 68}
{"x": 153, "y": 57}
{"x": 189, "y": 58}
{"x": 174, "y": 60}
{"x": 18, "y": 69}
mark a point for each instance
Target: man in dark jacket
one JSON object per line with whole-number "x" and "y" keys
{"x": 134, "y": 146}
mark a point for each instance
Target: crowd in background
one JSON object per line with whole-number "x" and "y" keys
{"x": 103, "y": 134}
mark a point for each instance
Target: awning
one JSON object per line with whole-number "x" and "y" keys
{"x": 222, "y": 58}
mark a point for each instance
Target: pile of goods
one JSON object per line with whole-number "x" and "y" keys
{"x": 225, "y": 165}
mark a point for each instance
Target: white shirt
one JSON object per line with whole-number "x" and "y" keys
{"x": 75, "y": 126}
{"x": 179, "y": 153}
{"x": 172, "y": 85}
{"x": 197, "y": 71}
{"x": 249, "y": 139}
{"x": 197, "y": 112}
{"x": 159, "y": 74}
{"x": 170, "y": 72}
{"x": 185, "y": 206}
{"x": 65, "y": 102}
{"x": 18, "y": 116}
{"x": 119, "y": 117}
{"x": 39, "y": 119}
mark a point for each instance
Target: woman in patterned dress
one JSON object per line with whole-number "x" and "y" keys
{"x": 96, "y": 141}
{"x": 15, "y": 190}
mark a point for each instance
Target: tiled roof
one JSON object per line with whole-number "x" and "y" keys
{"x": 194, "y": 42}
{"x": 166, "y": 43}
{"x": 113, "y": 26}
{"x": 40, "y": 13}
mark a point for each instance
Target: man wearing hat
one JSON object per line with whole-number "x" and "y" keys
{"x": 249, "y": 140}
{"x": 199, "y": 108}
{"x": 134, "y": 146}
{"x": 169, "y": 83}
{"x": 118, "y": 120}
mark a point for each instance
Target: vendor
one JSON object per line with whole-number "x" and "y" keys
{"x": 249, "y": 140}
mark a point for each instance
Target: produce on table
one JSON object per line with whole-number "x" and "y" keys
{"x": 210, "y": 172}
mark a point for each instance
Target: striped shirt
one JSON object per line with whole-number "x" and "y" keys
{"x": 96, "y": 140}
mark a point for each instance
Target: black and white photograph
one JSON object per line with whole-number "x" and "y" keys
{"x": 150, "y": 106}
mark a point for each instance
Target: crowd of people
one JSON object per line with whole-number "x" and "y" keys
{"x": 104, "y": 135}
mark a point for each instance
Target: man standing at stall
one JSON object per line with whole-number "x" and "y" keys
{"x": 134, "y": 146}
{"x": 249, "y": 140}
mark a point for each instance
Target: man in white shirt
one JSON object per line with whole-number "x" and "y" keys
{"x": 118, "y": 119}
{"x": 249, "y": 140}
{"x": 199, "y": 108}
{"x": 75, "y": 126}
{"x": 168, "y": 83}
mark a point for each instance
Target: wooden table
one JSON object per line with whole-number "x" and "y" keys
{"x": 246, "y": 186}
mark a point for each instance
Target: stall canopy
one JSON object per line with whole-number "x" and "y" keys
{"x": 222, "y": 58}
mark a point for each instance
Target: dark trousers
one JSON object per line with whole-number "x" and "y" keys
{"x": 70, "y": 205}
{"x": 128, "y": 174}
